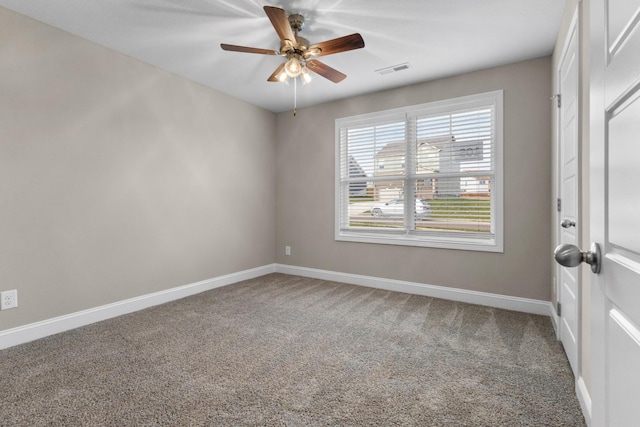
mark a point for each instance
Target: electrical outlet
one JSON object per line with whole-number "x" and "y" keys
{"x": 287, "y": 250}
{"x": 8, "y": 299}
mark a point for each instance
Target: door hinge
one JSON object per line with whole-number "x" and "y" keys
{"x": 559, "y": 204}
{"x": 558, "y": 98}
{"x": 559, "y": 309}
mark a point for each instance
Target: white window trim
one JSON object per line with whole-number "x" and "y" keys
{"x": 387, "y": 237}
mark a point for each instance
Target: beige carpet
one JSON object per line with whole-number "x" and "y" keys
{"x": 289, "y": 351}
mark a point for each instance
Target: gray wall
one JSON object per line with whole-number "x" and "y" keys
{"x": 118, "y": 179}
{"x": 306, "y": 200}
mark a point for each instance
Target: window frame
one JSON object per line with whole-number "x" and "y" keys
{"x": 405, "y": 237}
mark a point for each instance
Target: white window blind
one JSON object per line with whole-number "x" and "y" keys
{"x": 426, "y": 175}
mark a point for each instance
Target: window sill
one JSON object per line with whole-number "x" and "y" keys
{"x": 488, "y": 245}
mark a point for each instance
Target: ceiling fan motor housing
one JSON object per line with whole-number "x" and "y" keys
{"x": 296, "y": 21}
{"x": 300, "y": 47}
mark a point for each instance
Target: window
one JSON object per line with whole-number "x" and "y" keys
{"x": 426, "y": 175}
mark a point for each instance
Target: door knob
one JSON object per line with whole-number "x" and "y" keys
{"x": 566, "y": 223}
{"x": 572, "y": 256}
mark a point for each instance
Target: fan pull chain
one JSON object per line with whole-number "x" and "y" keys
{"x": 295, "y": 95}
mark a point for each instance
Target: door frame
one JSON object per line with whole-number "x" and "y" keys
{"x": 572, "y": 33}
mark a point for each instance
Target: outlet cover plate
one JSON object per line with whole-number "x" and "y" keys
{"x": 8, "y": 299}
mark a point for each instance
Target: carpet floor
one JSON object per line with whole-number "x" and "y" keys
{"x": 284, "y": 350}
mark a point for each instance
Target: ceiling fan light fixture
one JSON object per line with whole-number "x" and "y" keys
{"x": 282, "y": 76}
{"x": 305, "y": 76}
{"x": 293, "y": 67}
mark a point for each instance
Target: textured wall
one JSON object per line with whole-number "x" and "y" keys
{"x": 306, "y": 198}
{"x": 118, "y": 179}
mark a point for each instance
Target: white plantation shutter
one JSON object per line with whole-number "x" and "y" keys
{"x": 427, "y": 175}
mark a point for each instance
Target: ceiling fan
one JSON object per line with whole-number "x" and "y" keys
{"x": 297, "y": 50}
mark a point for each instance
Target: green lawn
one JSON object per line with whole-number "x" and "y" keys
{"x": 450, "y": 214}
{"x": 459, "y": 208}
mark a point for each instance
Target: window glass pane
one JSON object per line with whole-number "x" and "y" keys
{"x": 377, "y": 150}
{"x": 382, "y": 207}
{"x": 464, "y": 206}
{"x": 455, "y": 142}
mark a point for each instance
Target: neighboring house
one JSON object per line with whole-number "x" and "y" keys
{"x": 475, "y": 186}
{"x": 358, "y": 188}
{"x": 438, "y": 155}
{"x": 389, "y": 161}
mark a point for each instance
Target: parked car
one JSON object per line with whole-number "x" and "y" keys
{"x": 395, "y": 207}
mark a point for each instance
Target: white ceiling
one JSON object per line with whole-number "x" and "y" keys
{"x": 436, "y": 37}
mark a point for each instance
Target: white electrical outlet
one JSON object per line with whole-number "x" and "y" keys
{"x": 287, "y": 250}
{"x": 8, "y": 299}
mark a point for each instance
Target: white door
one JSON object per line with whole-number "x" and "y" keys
{"x": 615, "y": 210}
{"x": 568, "y": 219}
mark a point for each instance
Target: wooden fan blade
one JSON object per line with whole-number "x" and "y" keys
{"x": 234, "y": 48}
{"x": 272, "y": 77}
{"x": 341, "y": 44}
{"x": 280, "y": 22}
{"x": 325, "y": 71}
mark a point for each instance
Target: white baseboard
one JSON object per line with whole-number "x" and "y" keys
{"x": 33, "y": 331}
{"x": 584, "y": 398}
{"x": 524, "y": 305}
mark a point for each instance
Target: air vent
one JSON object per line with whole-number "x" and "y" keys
{"x": 393, "y": 69}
